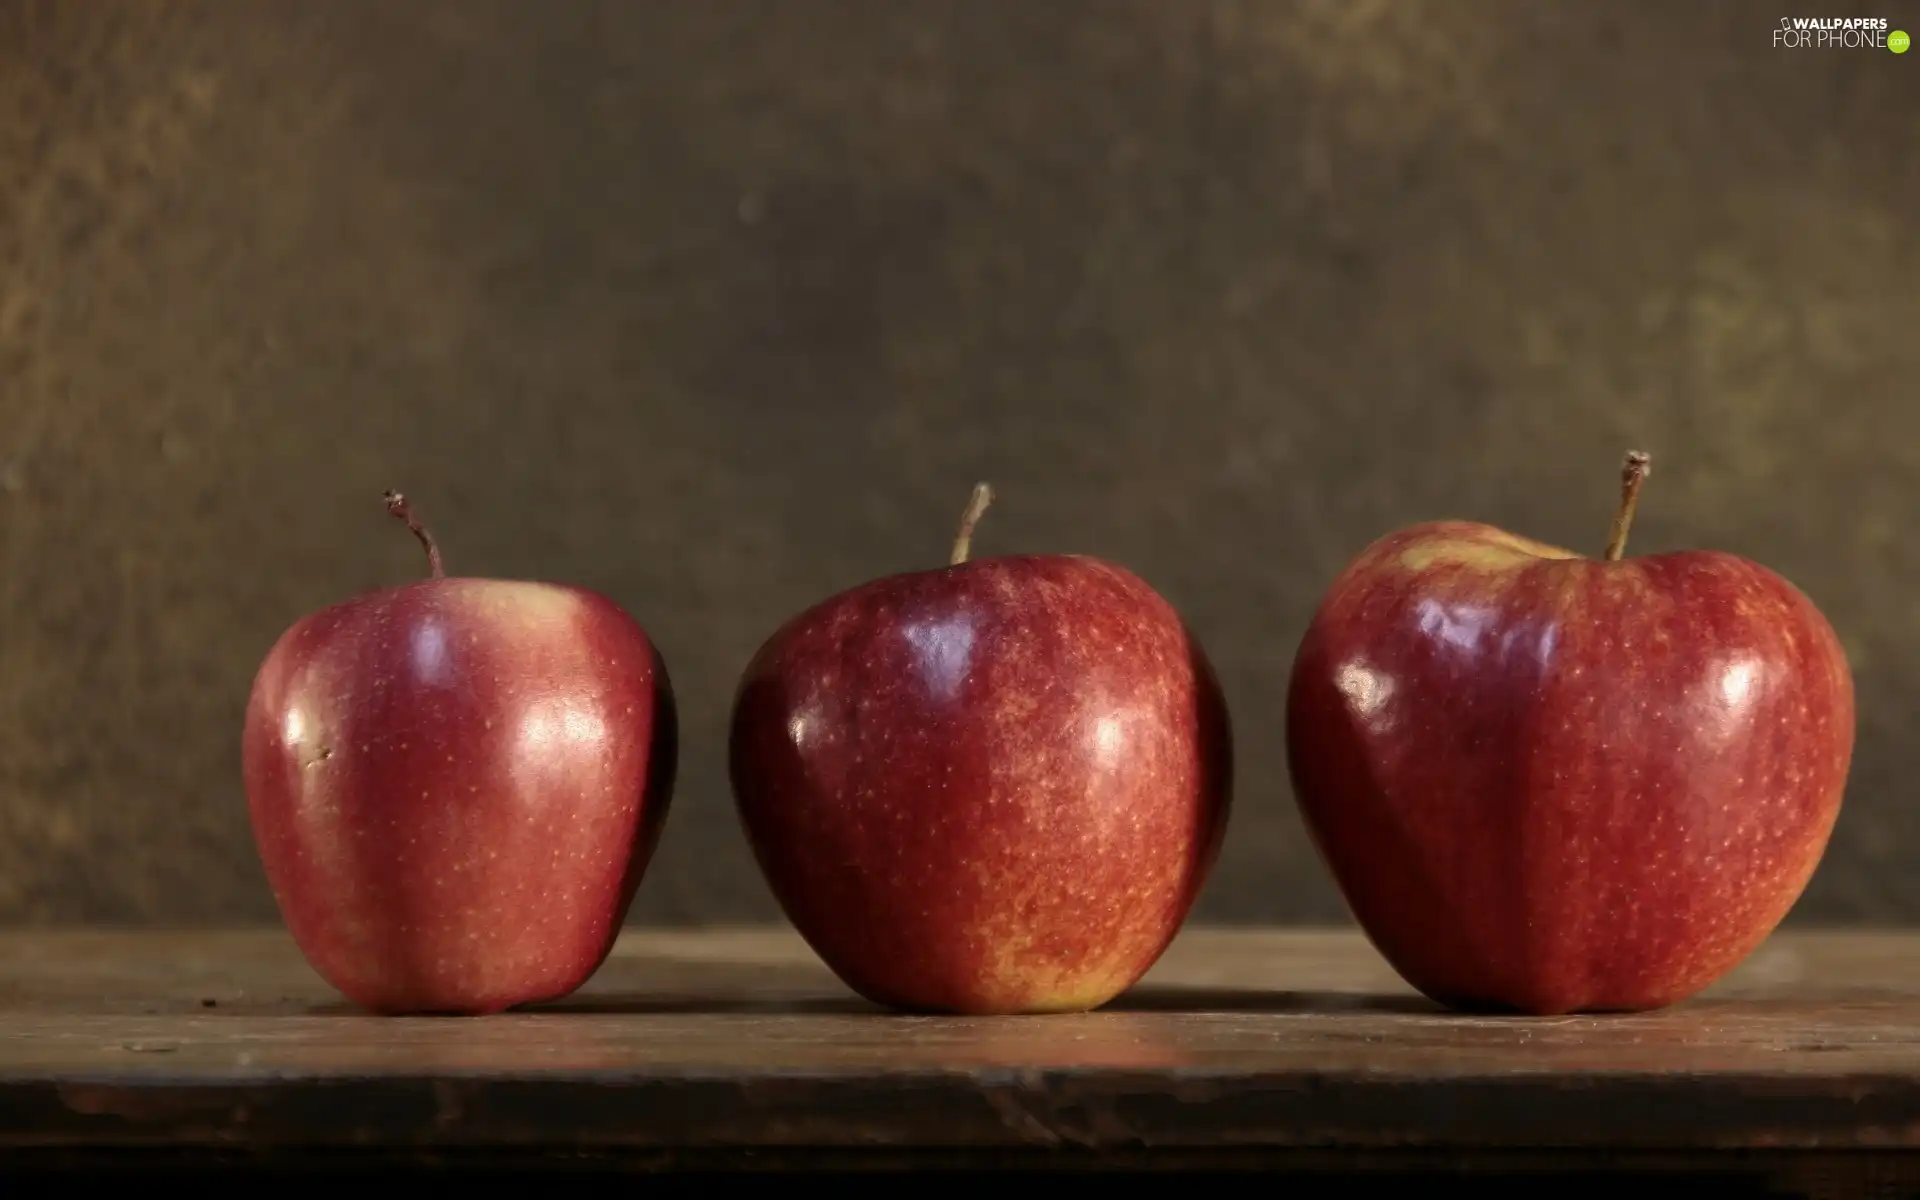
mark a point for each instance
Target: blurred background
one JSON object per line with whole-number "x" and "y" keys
{"x": 720, "y": 307}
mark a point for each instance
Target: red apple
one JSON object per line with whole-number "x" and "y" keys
{"x": 995, "y": 787}
{"x": 456, "y": 784}
{"x": 1550, "y": 784}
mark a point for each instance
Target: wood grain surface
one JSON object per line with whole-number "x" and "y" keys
{"x": 736, "y": 1046}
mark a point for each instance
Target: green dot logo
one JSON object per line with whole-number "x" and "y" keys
{"x": 1898, "y": 41}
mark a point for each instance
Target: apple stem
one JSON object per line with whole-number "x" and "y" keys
{"x": 963, "y": 543}
{"x": 398, "y": 506}
{"x": 1632, "y": 474}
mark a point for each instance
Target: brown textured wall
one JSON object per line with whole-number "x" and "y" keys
{"x": 722, "y": 306}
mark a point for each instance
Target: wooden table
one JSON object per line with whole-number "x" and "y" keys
{"x": 710, "y": 1050}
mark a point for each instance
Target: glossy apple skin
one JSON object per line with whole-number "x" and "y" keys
{"x": 455, "y": 787}
{"x": 1547, "y": 783}
{"x": 993, "y": 788}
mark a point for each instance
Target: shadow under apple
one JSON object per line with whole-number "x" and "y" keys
{"x": 1166, "y": 998}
